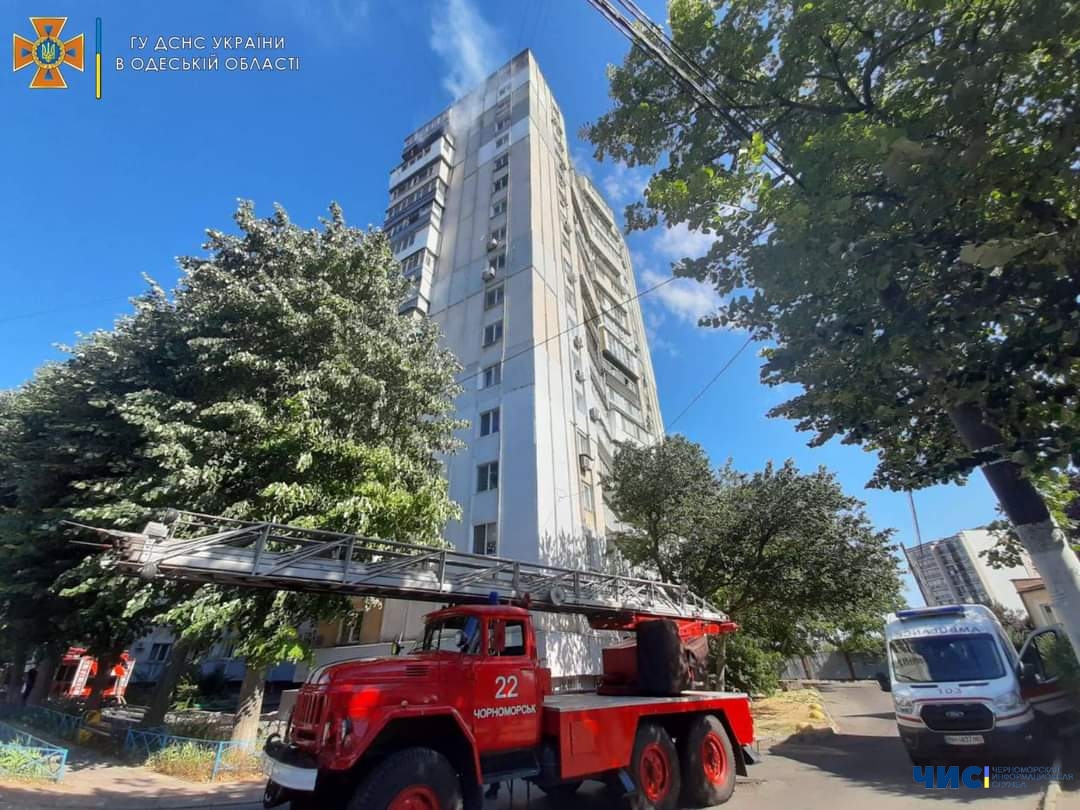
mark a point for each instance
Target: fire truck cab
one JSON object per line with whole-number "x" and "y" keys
{"x": 472, "y": 705}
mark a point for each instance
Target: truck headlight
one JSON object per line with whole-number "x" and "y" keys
{"x": 904, "y": 705}
{"x": 1010, "y": 700}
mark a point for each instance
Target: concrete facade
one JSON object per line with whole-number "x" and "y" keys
{"x": 523, "y": 266}
{"x": 952, "y": 571}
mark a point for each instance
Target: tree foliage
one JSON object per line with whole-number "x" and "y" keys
{"x": 277, "y": 382}
{"x": 928, "y": 259}
{"x": 788, "y": 555}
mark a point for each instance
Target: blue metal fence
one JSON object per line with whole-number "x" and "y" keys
{"x": 223, "y": 756}
{"x": 58, "y": 724}
{"x": 25, "y": 756}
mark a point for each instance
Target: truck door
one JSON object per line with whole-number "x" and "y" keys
{"x": 1043, "y": 658}
{"x": 506, "y": 705}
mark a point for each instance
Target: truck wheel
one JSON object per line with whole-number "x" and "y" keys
{"x": 708, "y": 763}
{"x": 412, "y": 779}
{"x": 654, "y": 768}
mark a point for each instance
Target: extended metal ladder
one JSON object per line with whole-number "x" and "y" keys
{"x": 209, "y": 548}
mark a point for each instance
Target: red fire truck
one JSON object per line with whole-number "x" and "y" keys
{"x": 473, "y": 705}
{"x": 77, "y": 670}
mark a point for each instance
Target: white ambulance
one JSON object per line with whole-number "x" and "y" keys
{"x": 959, "y": 686}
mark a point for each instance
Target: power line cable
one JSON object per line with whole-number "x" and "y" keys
{"x": 688, "y": 73}
{"x": 710, "y": 383}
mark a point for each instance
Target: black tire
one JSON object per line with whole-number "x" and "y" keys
{"x": 420, "y": 769}
{"x": 563, "y": 790}
{"x": 654, "y": 767}
{"x": 706, "y": 763}
{"x": 661, "y": 665}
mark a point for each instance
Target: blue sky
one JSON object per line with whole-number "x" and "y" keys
{"x": 101, "y": 192}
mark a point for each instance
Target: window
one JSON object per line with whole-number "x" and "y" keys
{"x": 502, "y": 124}
{"x": 493, "y": 333}
{"x": 159, "y": 652}
{"x": 493, "y": 297}
{"x": 502, "y": 141}
{"x": 501, "y": 183}
{"x": 485, "y": 538}
{"x": 350, "y": 629}
{"x": 571, "y": 298}
{"x": 506, "y": 637}
{"x": 498, "y": 235}
{"x": 453, "y": 634}
{"x": 504, "y": 89}
{"x": 498, "y": 207}
{"x": 492, "y": 375}
{"x": 501, "y": 161}
{"x": 487, "y": 476}
{"x": 934, "y": 659}
{"x": 587, "y": 498}
{"x": 498, "y": 261}
{"x": 489, "y": 422}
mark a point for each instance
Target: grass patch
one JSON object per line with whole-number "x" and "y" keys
{"x": 29, "y": 764}
{"x": 788, "y": 713}
{"x": 195, "y": 762}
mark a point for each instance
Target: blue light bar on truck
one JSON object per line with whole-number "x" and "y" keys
{"x": 921, "y": 613}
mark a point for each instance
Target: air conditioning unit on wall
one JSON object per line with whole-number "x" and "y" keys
{"x": 579, "y": 342}
{"x": 585, "y": 460}
{"x": 579, "y": 375}
{"x": 594, "y": 414}
{"x": 489, "y": 273}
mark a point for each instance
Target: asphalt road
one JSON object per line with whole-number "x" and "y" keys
{"x": 863, "y": 766}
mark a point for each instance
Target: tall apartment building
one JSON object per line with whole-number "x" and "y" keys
{"x": 951, "y": 571}
{"x": 522, "y": 264}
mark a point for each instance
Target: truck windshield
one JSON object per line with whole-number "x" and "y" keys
{"x": 940, "y": 659}
{"x": 452, "y": 634}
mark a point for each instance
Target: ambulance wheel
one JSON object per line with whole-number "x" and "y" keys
{"x": 654, "y": 768}
{"x": 412, "y": 779}
{"x": 707, "y": 760}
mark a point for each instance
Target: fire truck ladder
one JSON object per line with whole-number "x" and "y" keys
{"x": 207, "y": 548}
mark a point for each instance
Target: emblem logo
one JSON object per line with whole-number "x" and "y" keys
{"x": 48, "y": 52}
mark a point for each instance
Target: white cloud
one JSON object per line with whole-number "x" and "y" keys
{"x": 654, "y": 321}
{"x": 467, "y": 44}
{"x": 624, "y": 184}
{"x": 680, "y": 242}
{"x": 688, "y": 300}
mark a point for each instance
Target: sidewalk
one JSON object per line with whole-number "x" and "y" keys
{"x": 94, "y": 780}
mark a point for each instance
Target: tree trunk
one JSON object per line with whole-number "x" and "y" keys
{"x": 246, "y": 724}
{"x": 17, "y": 676}
{"x": 179, "y": 658}
{"x": 47, "y": 666}
{"x": 100, "y": 682}
{"x": 1023, "y": 505}
{"x": 850, "y": 666}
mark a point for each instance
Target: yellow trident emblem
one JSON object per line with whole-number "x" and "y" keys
{"x": 48, "y": 52}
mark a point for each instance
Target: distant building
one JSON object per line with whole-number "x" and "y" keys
{"x": 1036, "y": 599}
{"x": 952, "y": 571}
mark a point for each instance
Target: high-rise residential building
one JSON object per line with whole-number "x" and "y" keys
{"x": 953, "y": 571}
{"x": 522, "y": 264}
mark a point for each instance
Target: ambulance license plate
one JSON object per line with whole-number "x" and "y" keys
{"x": 963, "y": 739}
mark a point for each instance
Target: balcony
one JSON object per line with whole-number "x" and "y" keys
{"x": 443, "y": 147}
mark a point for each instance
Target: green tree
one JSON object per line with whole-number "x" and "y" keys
{"x": 787, "y": 555}
{"x": 278, "y": 382}
{"x": 919, "y": 281}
